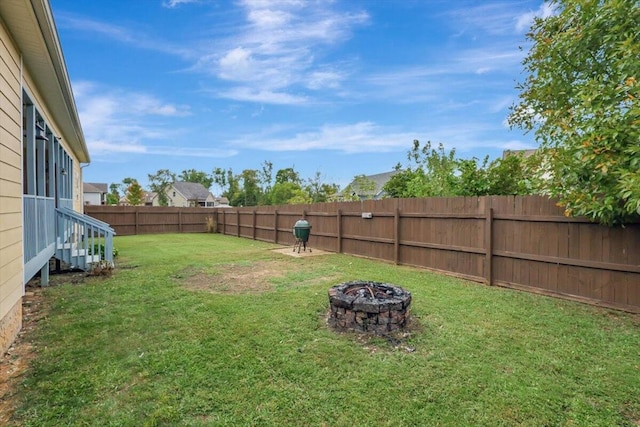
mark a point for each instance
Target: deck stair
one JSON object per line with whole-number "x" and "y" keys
{"x": 83, "y": 241}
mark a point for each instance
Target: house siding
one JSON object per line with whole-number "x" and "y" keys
{"x": 178, "y": 200}
{"x": 11, "y": 258}
{"x": 92, "y": 198}
{"x": 16, "y": 77}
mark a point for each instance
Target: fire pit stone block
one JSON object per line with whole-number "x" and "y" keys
{"x": 370, "y": 307}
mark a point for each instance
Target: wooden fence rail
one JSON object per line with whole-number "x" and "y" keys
{"x": 519, "y": 242}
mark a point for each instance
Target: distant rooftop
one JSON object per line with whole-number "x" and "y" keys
{"x": 192, "y": 190}
{"x": 95, "y": 187}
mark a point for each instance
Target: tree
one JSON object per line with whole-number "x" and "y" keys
{"x": 431, "y": 172}
{"x": 219, "y": 176}
{"x": 250, "y": 193}
{"x": 134, "y": 195}
{"x": 397, "y": 185}
{"x": 474, "y": 178}
{"x": 288, "y": 175}
{"x": 265, "y": 176}
{"x": 113, "y": 198}
{"x": 435, "y": 172}
{"x": 283, "y": 192}
{"x": 318, "y": 191}
{"x": 501, "y": 177}
{"x": 200, "y": 177}
{"x": 299, "y": 197}
{"x": 509, "y": 176}
{"x": 581, "y": 100}
{"x": 159, "y": 182}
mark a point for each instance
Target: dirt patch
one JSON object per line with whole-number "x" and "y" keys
{"x": 251, "y": 278}
{"x": 302, "y": 254}
{"x": 15, "y": 362}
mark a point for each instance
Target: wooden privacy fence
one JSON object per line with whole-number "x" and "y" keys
{"x": 520, "y": 242}
{"x": 128, "y": 220}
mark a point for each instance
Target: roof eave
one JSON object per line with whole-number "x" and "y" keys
{"x": 34, "y": 31}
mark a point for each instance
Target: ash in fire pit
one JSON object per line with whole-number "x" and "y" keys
{"x": 368, "y": 307}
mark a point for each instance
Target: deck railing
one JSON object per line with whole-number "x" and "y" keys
{"x": 39, "y": 225}
{"x": 76, "y": 239}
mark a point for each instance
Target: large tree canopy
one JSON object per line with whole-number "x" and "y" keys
{"x": 200, "y": 177}
{"x": 581, "y": 100}
{"x": 159, "y": 182}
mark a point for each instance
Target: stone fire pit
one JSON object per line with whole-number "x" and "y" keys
{"x": 371, "y": 307}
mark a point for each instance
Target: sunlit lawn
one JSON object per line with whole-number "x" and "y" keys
{"x": 203, "y": 329}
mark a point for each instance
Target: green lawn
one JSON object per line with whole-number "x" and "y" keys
{"x": 204, "y": 329}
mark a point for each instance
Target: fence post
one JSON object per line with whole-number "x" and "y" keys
{"x": 488, "y": 243}
{"x": 253, "y": 225}
{"x": 238, "y": 222}
{"x": 224, "y": 222}
{"x": 180, "y": 220}
{"x": 339, "y": 216}
{"x": 275, "y": 226}
{"x": 396, "y": 240}
{"x": 137, "y": 219}
{"x": 304, "y": 214}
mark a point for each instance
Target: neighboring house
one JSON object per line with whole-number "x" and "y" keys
{"x": 187, "y": 194}
{"x": 221, "y": 202}
{"x": 371, "y": 187}
{"x": 149, "y": 197}
{"x": 41, "y": 150}
{"x": 94, "y": 193}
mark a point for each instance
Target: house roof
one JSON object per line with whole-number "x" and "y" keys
{"x": 192, "y": 190}
{"x": 380, "y": 179}
{"x": 149, "y": 196}
{"x": 94, "y": 187}
{"x": 31, "y": 25}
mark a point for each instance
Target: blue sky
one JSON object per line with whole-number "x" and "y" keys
{"x": 339, "y": 87}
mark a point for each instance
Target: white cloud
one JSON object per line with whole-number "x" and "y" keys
{"x": 124, "y": 35}
{"x": 166, "y": 150}
{"x": 268, "y": 18}
{"x": 116, "y": 121}
{"x": 147, "y": 105}
{"x": 494, "y": 18}
{"x": 350, "y": 138}
{"x": 276, "y": 50}
{"x": 174, "y": 3}
{"x": 369, "y": 137}
{"x": 236, "y": 64}
{"x": 248, "y": 94}
{"x": 497, "y": 18}
{"x": 525, "y": 20}
{"x": 517, "y": 145}
{"x": 488, "y": 58}
{"x": 100, "y": 147}
{"x": 324, "y": 79}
